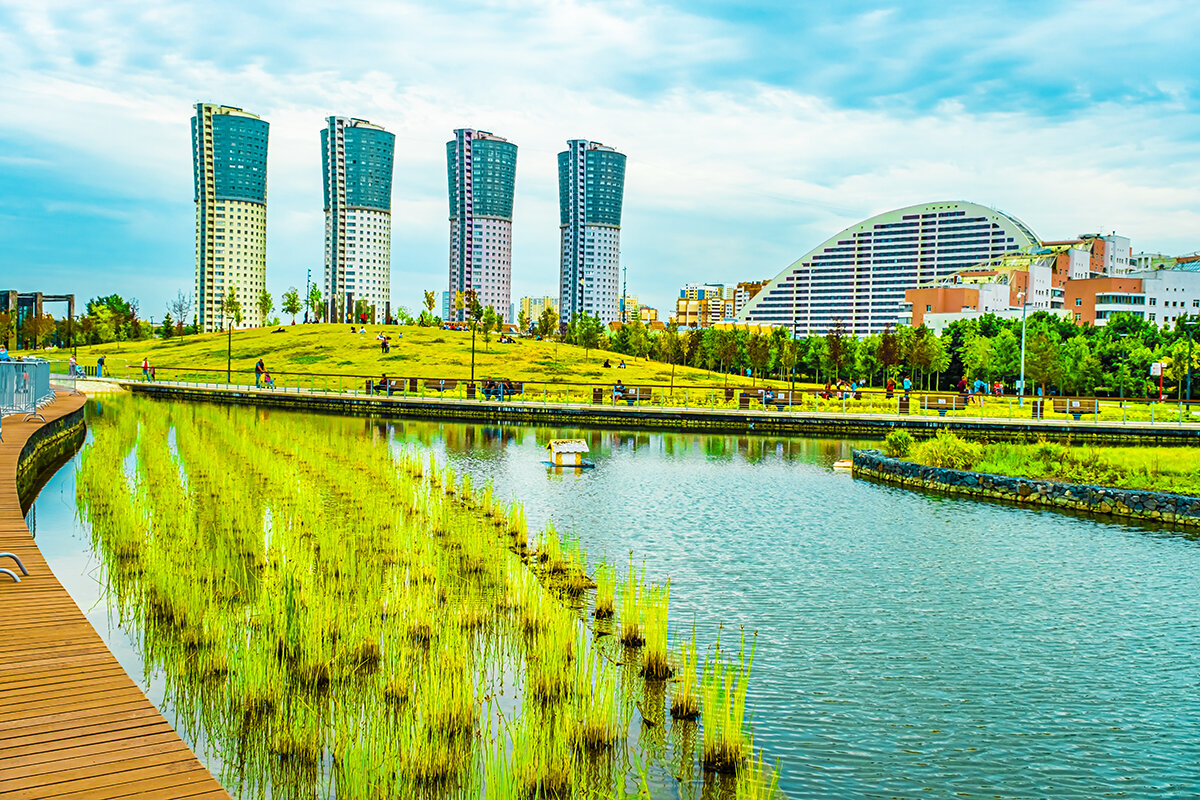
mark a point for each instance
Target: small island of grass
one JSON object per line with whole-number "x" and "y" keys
{"x": 1174, "y": 470}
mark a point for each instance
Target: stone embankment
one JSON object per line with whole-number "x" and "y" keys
{"x": 1173, "y": 509}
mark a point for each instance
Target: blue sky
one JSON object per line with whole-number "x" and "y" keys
{"x": 754, "y": 130}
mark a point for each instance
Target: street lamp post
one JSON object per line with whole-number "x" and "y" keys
{"x": 1024, "y": 307}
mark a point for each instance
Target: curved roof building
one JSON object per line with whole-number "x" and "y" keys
{"x": 859, "y": 276}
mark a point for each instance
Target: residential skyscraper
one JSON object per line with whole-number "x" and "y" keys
{"x": 229, "y": 162}
{"x": 481, "y": 170}
{"x": 356, "y": 172}
{"x": 591, "y": 188}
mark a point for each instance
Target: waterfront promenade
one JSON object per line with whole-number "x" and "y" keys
{"x": 72, "y": 723}
{"x": 529, "y": 409}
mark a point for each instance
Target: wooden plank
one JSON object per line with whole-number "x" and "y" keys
{"x": 72, "y": 723}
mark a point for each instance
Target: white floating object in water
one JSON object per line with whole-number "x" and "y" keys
{"x": 845, "y": 464}
{"x": 568, "y": 453}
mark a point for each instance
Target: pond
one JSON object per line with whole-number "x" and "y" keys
{"x": 905, "y": 644}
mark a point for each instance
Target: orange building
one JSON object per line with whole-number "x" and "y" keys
{"x": 1083, "y": 298}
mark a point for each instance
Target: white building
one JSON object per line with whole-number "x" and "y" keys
{"x": 356, "y": 169}
{"x": 591, "y": 189}
{"x": 481, "y": 170}
{"x": 858, "y": 277}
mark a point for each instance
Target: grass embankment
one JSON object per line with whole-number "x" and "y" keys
{"x": 1159, "y": 469}
{"x": 422, "y": 353}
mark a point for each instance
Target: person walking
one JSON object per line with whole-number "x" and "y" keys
{"x": 100, "y": 367}
{"x": 145, "y": 369}
{"x": 907, "y": 386}
{"x": 3, "y": 352}
{"x": 891, "y": 387}
{"x": 259, "y": 369}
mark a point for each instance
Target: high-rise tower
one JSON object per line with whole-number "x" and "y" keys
{"x": 481, "y": 169}
{"x": 356, "y": 168}
{"x": 591, "y": 188}
{"x": 229, "y": 161}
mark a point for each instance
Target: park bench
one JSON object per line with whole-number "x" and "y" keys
{"x": 633, "y": 394}
{"x": 782, "y": 399}
{"x": 498, "y": 390}
{"x": 441, "y": 386}
{"x": 385, "y": 387}
{"x": 942, "y": 404}
{"x": 1076, "y": 408}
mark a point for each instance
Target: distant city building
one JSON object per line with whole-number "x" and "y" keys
{"x": 703, "y": 305}
{"x": 859, "y": 276}
{"x": 1088, "y": 280}
{"x": 481, "y": 170}
{"x": 627, "y": 308}
{"x": 534, "y": 306}
{"x": 447, "y": 304}
{"x": 591, "y": 190}
{"x": 22, "y": 307}
{"x": 356, "y": 176}
{"x": 647, "y": 314}
{"x": 229, "y": 163}
{"x": 744, "y": 292}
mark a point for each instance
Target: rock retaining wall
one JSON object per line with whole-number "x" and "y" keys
{"x": 1173, "y": 509}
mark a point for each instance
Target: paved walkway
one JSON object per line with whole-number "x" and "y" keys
{"x": 72, "y": 723}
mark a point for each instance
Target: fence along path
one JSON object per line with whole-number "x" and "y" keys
{"x": 72, "y": 723}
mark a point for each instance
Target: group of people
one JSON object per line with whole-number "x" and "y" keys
{"x": 608, "y": 364}
{"x": 498, "y": 390}
{"x": 979, "y": 388}
{"x": 841, "y": 390}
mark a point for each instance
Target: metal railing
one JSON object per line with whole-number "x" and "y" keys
{"x": 776, "y": 397}
{"x": 25, "y": 387}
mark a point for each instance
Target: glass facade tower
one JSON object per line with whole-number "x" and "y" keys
{"x": 229, "y": 161}
{"x": 356, "y": 172}
{"x": 481, "y": 173}
{"x": 591, "y": 189}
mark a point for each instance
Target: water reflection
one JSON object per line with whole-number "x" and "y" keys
{"x": 908, "y": 644}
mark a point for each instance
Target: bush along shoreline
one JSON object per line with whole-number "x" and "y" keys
{"x": 952, "y": 472}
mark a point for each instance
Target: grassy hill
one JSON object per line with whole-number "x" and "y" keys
{"x": 327, "y": 349}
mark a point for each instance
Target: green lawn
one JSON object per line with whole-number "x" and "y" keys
{"x": 332, "y": 350}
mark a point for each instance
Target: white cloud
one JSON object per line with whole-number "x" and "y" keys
{"x": 725, "y": 182}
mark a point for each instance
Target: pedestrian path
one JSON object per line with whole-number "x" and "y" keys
{"x": 72, "y": 723}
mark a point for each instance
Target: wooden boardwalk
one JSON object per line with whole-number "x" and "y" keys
{"x": 72, "y": 723}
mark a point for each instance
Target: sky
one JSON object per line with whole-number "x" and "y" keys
{"x": 754, "y": 130}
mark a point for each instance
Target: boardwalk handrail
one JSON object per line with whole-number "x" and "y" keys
{"x": 25, "y": 387}
{"x": 9, "y": 572}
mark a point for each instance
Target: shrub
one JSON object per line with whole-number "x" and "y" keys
{"x": 898, "y": 444}
{"x": 948, "y": 451}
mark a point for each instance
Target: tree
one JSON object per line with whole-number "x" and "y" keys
{"x": 1042, "y": 363}
{"x": 888, "y": 352}
{"x": 758, "y": 351}
{"x": 314, "y": 302}
{"x": 729, "y": 349}
{"x": 789, "y": 352}
{"x": 587, "y": 331}
{"x": 547, "y": 323}
{"x": 291, "y": 303}
{"x": 523, "y": 321}
{"x": 489, "y": 323}
{"x": 167, "y": 329}
{"x": 977, "y": 357}
{"x": 266, "y": 304}
{"x": 639, "y": 338}
{"x": 671, "y": 348}
{"x": 430, "y": 301}
{"x": 6, "y": 328}
{"x": 470, "y": 303}
{"x": 180, "y": 308}
{"x": 835, "y": 348}
{"x": 1005, "y": 362}
{"x": 231, "y": 308}
{"x": 866, "y": 359}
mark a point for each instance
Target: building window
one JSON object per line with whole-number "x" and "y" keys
{"x": 1078, "y": 302}
{"x": 1153, "y": 302}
